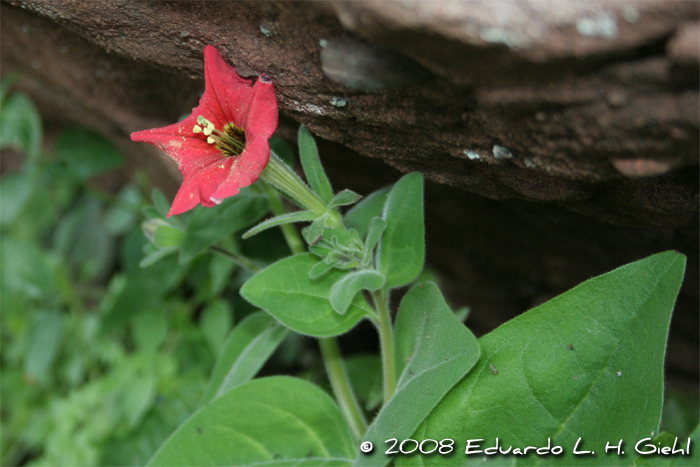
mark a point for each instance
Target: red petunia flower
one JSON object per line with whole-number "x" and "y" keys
{"x": 223, "y": 146}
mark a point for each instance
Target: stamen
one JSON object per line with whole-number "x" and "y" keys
{"x": 231, "y": 141}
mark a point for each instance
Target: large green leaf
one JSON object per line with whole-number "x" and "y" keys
{"x": 208, "y": 225}
{"x": 433, "y": 352}
{"x": 269, "y": 421}
{"x": 245, "y": 351}
{"x": 371, "y": 206}
{"x": 587, "y": 364}
{"x": 401, "y": 252}
{"x": 284, "y": 290}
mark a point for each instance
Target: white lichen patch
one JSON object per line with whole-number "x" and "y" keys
{"x": 338, "y": 101}
{"x": 603, "y": 25}
{"x": 472, "y": 155}
{"x": 501, "y": 152}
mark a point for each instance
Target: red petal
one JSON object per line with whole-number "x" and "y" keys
{"x": 198, "y": 187}
{"x": 246, "y": 168}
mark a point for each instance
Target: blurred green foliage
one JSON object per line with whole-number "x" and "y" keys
{"x": 101, "y": 359}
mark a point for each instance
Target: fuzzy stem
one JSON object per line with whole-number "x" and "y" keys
{"x": 237, "y": 258}
{"x": 386, "y": 339}
{"x": 280, "y": 176}
{"x": 291, "y": 235}
{"x": 341, "y": 387}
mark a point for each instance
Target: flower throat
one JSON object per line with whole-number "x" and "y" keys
{"x": 230, "y": 142}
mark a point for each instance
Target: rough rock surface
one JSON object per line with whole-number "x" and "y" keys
{"x": 563, "y": 136}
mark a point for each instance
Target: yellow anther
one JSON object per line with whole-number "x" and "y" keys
{"x": 211, "y": 140}
{"x": 207, "y": 131}
{"x": 197, "y": 129}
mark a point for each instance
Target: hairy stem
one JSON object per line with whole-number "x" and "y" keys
{"x": 237, "y": 258}
{"x": 386, "y": 339}
{"x": 341, "y": 387}
{"x": 296, "y": 244}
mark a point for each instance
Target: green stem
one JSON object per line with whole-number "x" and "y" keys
{"x": 386, "y": 340}
{"x": 294, "y": 241}
{"x": 341, "y": 387}
{"x": 237, "y": 258}
{"x": 279, "y": 175}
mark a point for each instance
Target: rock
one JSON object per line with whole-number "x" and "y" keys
{"x": 561, "y": 137}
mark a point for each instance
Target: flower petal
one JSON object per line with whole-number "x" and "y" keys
{"x": 246, "y": 168}
{"x": 198, "y": 188}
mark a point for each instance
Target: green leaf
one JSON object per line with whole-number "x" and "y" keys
{"x": 270, "y": 421}
{"x": 150, "y": 329}
{"x": 588, "y": 364}
{"x": 20, "y": 125}
{"x": 284, "y": 290}
{"x": 245, "y": 351}
{"x": 314, "y": 232}
{"x": 160, "y": 202}
{"x": 654, "y": 458}
{"x": 208, "y": 225}
{"x": 433, "y": 352}
{"x": 310, "y": 162}
{"x": 86, "y": 154}
{"x": 124, "y": 213}
{"x": 344, "y": 198}
{"x": 360, "y": 215}
{"x": 365, "y": 373}
{"x": 320, "y": 269}
{"x": 298, "y": 216}
{"x": 345, "y": 290}
{"x": 44, "y": 345}
{"x": 401, "y": 252}
{"x": 216, "y": 322}
{"x": 374, "y": 233}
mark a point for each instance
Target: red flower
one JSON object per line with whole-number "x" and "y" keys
{"x": 223, "y": 146}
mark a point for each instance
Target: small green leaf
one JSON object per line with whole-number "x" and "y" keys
{"x": 285, "y": 291}
{"x": 164, "y": 235}
{"x": 269, "y": 421}
{"x": 344, "y": 198}
{"x": 653, "y": 458}
{"x": 298, "y": 216}
{"x": 401, "y": 252}
{"x": 360, "y": 215}
{"x": 345, "y": 290}
{"x": 44, "y": 345}
{"x": 315, "y": 231}
{"x": 216, "y": 322}
{"x": 86, "y": 154}
{"x": 320, "y": 269}
{"x": 374, "y": 233}
{"x": 587, "y": 364}
{"x": 208, "y": 225}
{"x": 20, "y": 125}
{"x": 433, "y": 352}
{"x": 315, "y": 175}
{"x": 245, "y": 351}
{"x": 160, "y": 202}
